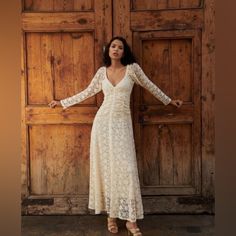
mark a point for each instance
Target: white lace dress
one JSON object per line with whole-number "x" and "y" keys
{"x": 114, "y": 182}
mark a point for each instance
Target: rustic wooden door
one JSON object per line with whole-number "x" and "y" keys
{"x": 61, "y": 44}
{"x": 173, "y": 42}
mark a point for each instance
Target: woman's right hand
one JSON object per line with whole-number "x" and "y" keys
{"x": 54, "y": 103}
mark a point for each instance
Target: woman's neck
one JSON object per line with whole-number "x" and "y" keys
{"x": 116, "y": 64}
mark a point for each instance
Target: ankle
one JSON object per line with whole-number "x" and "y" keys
{"x": 133, "y": 224}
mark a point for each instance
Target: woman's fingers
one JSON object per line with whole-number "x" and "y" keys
{"x": 178, "y": 103}
{"x": 52, "y": 104}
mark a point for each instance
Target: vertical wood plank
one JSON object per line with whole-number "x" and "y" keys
{"x": 81, "y": 5}
{"x": 102, "y": 32}
{"x": 173, "y": 3}
{"x": 155, "y": 61}
{"x": 185, "y": 138}
{"x": 197, "y": 125}
{"x": 183, "y": 157}
{"x": 162, "y": 4}
{"x": 34, "y": 67}
{"x": 167, "y": 155}
{"x": 208, "y": 100}
{"x": 43, "y": 5}
{"x": 24, "y": 133}
{"x": 150, "y": 167}
{"x": 67, "y": 62}
{"x": 65, "y": 5}
{"x": 83, "y": 69}
{"x": 103, "y": 10}
{"x": 63, "y": 65}
{"x": 121, "y": 19}
{"x": 181, "y": 69}
{"x": 46, "y": 73}
{"x": 27, "y": 4}
{"x": 190, "y": 3}
{"x": 60, "y": 90}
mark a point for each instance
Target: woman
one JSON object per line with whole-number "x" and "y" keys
{"x": 114, "y": 183}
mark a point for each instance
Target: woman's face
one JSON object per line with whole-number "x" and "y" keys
{"x": 116, "y": 49}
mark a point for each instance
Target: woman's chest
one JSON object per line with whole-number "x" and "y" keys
{"x": 125, "y": 85}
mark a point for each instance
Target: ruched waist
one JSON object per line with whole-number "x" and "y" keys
{"x": 116, "y": 109}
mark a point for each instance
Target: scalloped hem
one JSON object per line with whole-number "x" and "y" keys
{"x": 116, "y": 216}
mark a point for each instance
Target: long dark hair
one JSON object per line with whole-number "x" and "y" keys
{"x": 127, "y": 58}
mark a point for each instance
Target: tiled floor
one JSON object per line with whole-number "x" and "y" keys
{"x": 95, "y": 225}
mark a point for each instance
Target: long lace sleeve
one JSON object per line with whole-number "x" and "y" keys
{"x": 93, "y": 88}
{"x": 141, "y": 79}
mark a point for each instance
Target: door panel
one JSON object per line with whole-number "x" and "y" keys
{"x": 56, "y": 59}
{"x": 167, "y": 57}
{"x": 161, "y": 58}
{"x": 167, "y": 159}
{"x": 58, "y": 166}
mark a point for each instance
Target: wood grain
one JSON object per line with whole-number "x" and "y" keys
{"x": 57, "y": 5}
{"x": 59, "y": 159}
{"x": 165, "y": 4}
{"x": 56, "y": 59}
{"x": 57, "y": 21}
{"x": 166, "y": 20}
{"x": 208, "y": 101}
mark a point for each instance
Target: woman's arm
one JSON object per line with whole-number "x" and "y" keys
{"x": 93, "y": 88}
{"x": 141, "y": 79}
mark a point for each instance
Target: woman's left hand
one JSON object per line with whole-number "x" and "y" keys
{"x": 177, "y": 102}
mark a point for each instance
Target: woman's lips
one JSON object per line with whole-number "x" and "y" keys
{"x": 115, "y": 54}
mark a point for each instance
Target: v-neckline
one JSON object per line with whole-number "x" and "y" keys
{"x": 114, "y": 86}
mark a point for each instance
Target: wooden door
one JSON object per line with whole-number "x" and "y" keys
{"x": 173, "y": 41}
{"x": 59, "y": 42}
